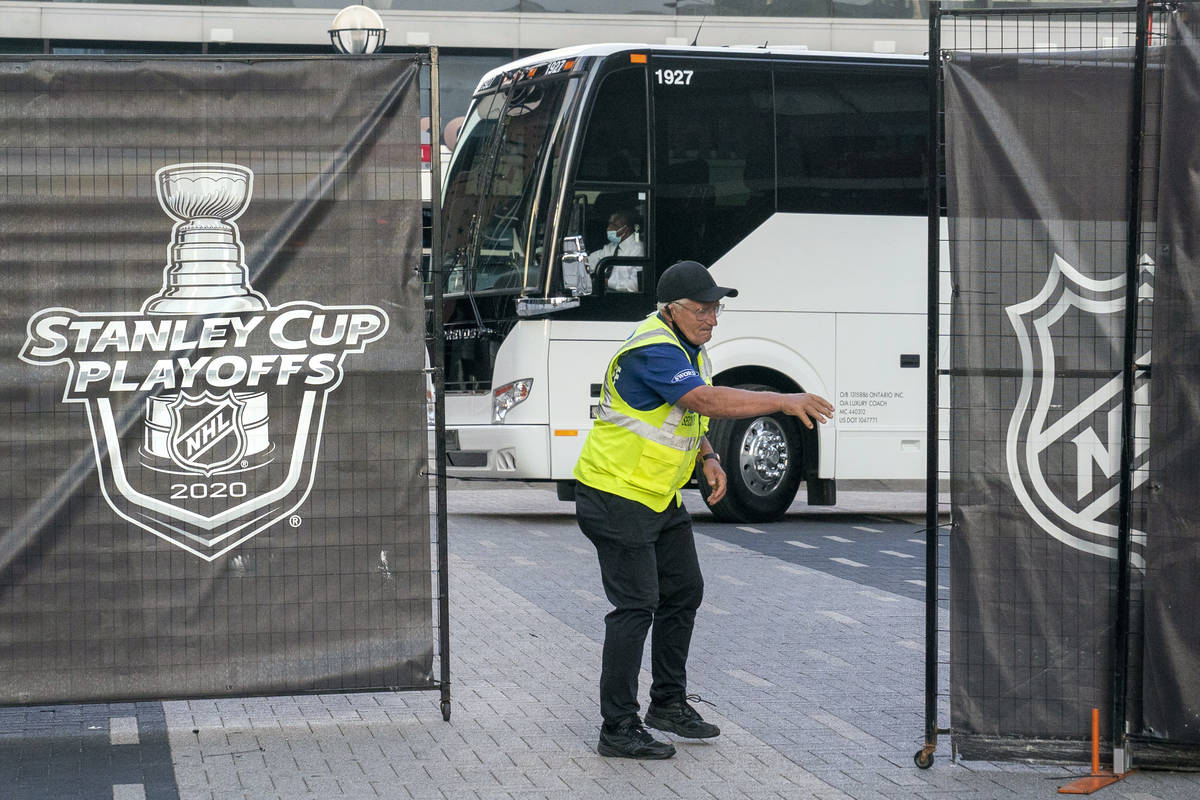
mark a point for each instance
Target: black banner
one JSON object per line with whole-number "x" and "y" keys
{"x": 211, "y": 391}
{"x": 1037, "y": 149}
{"x": 1171, "y": 691}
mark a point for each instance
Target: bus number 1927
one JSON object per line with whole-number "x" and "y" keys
{"x": 674, "y": 77}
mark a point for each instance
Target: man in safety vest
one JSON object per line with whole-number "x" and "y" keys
{"x": 647, "y": 440}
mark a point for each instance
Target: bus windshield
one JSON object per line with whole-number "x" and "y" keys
{"x": 492, "y": 240}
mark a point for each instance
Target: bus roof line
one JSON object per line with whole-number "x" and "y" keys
{"x": 612, "y": 48}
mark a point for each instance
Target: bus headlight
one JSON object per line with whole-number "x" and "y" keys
{"x": 508, "y": 396}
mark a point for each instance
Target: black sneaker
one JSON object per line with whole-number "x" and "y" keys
{"x": 681, "y": 719}
{"x": 630, "y": 740}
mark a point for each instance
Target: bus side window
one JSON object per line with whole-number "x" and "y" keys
{"x": 610, "y": 190}
{"x": 613, "y": 163}
{"x": 614, "y": 150}
{"x": 714, "y": 155}
{"x": 851, "y": 143}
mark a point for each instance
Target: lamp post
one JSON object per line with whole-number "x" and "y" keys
{"x": 357, "y": 30}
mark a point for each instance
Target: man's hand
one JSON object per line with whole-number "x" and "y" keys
{"x": 809, "y": 408}
{"x": 715, "y": 475}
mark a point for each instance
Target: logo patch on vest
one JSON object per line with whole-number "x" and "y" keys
{"x": 684, "y": 374}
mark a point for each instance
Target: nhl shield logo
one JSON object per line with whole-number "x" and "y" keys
{"x": 1064, "y": 437}
{"x": 207, "y": 405}
{"x": 207, "y": 433}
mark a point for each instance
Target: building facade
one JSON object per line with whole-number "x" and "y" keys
{"x": 473, "y": 35}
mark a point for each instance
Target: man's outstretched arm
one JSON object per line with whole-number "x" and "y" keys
{"x": 725, "y": 402}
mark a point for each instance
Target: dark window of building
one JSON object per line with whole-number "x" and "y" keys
{"x": 851, "y": 142}
{"x": 71, "y": 47}
{"x": 714, "y": 156}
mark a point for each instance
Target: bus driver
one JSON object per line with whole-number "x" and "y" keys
{"x": 648, "y": 437}
{"x": 622, "y": 241}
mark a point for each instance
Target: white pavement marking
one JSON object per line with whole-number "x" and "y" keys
{"x": 840, "y": 539}
{"x": 805, "y": 545}
{"x": 827, "y": 658}
{"x": 866, "y": 529}
{"x": 848, "y": 562}
{"x": 732, "y": 580}
{"x": 845, "y": 729}
{"x": 749, "y": 678}
{"x": 883, "y": 598}
{"x": 487, "y": 543}
{"x": 590, "y": 597}
{"x": 748, "y": 529}
{"x": 123, "y": 730}
{"x": 842, "y": 618}
{"x": 896, "y": 554}
{"x": 917, "y": 541}
{"x": 129, "y": 791}
{"x": 922, "y": 583}
{"x": 724, "y": 548}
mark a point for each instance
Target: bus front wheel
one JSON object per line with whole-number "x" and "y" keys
{"x": 763, "y": 463}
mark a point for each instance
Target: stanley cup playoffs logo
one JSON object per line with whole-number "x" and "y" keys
{"x": 1063, "y": 450}
{"x": 206, "y": 406}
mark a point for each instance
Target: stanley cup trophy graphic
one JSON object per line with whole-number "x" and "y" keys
{"x": 205, "y": 270}
{"x": 194, "y": 462}
{"x": 205, "y": 275}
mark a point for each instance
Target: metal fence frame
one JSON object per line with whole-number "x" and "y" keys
{"x": 1120, "y": 734}
{"x": 436, "y": 339}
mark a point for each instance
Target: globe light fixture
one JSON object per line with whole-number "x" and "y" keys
{"x": 357, "y": 30}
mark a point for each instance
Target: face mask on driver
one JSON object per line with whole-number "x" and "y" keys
{"x": 614, "y": 237}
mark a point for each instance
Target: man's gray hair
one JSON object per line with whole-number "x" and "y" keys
{"x": 663, "y": 306}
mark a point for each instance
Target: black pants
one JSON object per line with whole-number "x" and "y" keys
{"x": 651, "y": 575}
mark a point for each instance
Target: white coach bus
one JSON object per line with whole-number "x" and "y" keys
{"x": 798, "y": 178}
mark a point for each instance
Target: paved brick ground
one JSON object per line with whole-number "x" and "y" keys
{"x": 816, "y": 679}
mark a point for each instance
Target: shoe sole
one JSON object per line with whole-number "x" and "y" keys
{"x": 606, "y": 750}
{"x": 671, "y": 727}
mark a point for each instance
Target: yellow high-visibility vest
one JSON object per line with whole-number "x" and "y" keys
{"x": 645, "y": 456}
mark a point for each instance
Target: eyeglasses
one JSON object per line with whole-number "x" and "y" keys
{"x": 713, "y": 311}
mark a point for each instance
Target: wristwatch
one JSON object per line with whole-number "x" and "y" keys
{"x": 712, "y": 456}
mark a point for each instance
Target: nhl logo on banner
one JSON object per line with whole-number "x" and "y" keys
{"x": 206, "y": 432}
{"x": 207, "y": 405}
{"x": 1063, "y": 448}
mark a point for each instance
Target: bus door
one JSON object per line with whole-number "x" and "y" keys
{"x": 606, "y": 222}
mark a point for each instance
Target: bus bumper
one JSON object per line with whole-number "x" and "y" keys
{"x": 498, "y": 452}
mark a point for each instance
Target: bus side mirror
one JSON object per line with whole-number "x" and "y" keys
{"x": 576, "y": 273}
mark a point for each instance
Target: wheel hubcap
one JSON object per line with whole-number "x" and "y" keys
{"x": 763, "y": 458}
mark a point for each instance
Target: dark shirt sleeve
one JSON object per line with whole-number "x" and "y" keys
{"x": 656, "y": 374}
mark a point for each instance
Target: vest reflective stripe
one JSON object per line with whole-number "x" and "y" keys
{"x": 644, "y": 456}
{"x": 648, "y": 431}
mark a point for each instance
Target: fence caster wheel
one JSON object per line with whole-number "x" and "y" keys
{"x": 924, "y": 757}
{"x": 445, "y": 710}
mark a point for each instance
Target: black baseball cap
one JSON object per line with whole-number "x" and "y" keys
{"x": 690, "y": 280}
